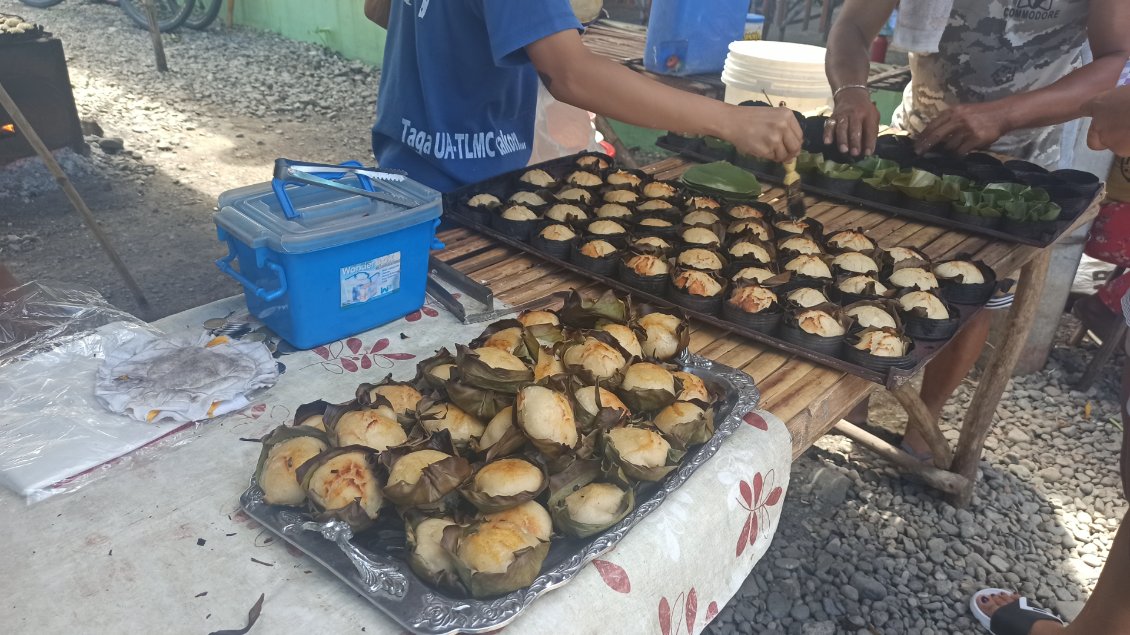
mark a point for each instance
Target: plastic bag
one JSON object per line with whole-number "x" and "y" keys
{"x": 54, "y": 436}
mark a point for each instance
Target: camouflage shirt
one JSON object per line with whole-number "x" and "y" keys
{"x": 992, "y": 49}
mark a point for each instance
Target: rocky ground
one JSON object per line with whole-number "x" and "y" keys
{"x": 860, "y": 550}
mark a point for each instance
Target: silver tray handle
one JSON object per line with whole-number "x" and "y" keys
{"x": 377, "y": 577}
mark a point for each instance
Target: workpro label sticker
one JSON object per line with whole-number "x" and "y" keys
{"x": 370, "y": 280}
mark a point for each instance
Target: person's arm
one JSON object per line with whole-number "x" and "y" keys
{"x": 854, "y": 123}
{"x": 1110, "y": 128}
{"x": 378, "y": 11}
{"x": 967, "y": 127}
{"x": 578, "y": 77}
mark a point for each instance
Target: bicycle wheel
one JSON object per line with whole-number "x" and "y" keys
{"x": 170, "y": 13}
{"x": 204, "y": 12}
{"x": 42, "y": 4}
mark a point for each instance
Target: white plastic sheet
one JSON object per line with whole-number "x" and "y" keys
{"x": 53, "y": 432}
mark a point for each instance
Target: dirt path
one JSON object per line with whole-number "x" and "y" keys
{"x": 233, "y": 102}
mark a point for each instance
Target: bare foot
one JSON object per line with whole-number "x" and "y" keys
{"x": 990, "y": 604}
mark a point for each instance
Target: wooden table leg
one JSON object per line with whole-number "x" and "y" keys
{"x": 948, "y": 482}
{"x": 983, "y": 407}
{"x": 919, "y": 417}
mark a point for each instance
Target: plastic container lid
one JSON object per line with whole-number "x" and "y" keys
{"x": 777, "y": 52}
{"x": 327, "y": 218}
{"x": 754, "y": 18}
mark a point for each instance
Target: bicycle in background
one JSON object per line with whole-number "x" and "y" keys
{"x": 171, "y": 14}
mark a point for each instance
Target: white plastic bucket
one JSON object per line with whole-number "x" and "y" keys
{"x": 783, "y": 71}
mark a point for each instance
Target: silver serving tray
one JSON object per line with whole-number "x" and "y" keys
{"x": 390, "y": 585}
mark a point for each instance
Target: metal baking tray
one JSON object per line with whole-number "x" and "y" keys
{"x": 1061, "y": 226}
{"x": 372, "y": 565}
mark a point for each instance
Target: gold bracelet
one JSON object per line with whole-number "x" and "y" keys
{"x": 836, "y": 93}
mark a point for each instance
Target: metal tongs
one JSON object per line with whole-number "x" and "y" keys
{"x": 329, "y": 176}
{"x": 439, "y": 271}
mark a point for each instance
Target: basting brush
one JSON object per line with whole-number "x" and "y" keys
{"x": 793, "y": 192}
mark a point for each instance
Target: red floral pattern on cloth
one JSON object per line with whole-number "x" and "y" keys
{"x": 613, "y": 575}
{"x": 352, "y": 355}
{"x": 683, "y": 610}
{"x": 1109, "y": 241}
{"x": 430, "y": 309}
{"x": 757, "y": 521}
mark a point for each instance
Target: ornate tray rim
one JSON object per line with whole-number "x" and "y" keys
{"x": 390, "y": 585}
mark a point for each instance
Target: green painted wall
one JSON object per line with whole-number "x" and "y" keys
{"x": 337, "y": 24}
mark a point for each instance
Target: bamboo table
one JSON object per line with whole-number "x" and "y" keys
{"x": 813, "y": 399}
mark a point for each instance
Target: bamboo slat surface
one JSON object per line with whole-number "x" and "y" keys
{"x": 810, "y": 398}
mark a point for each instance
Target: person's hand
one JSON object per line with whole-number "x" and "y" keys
{"x": 769, "y": 133}
{"x": 854, "y": 124}
{"x": 1109, "y": 128}
{"x": 963, "y": 128}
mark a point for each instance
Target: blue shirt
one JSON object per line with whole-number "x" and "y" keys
{"x": 458, "y": 94}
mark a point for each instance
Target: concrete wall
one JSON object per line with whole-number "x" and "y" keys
{"x": 337, "y": 24}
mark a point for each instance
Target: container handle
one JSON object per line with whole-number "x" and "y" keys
{"x": 323, "y": 175}
{"x": 224, "y": 265}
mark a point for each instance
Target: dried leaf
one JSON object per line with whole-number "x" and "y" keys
{"x": 252, "y": 617}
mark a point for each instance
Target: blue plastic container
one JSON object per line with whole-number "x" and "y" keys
{"x": 342, "y": 265}
{"x": 688, "y": 37}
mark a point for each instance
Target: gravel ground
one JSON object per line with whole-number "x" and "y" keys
{"x": 859, "y": 551}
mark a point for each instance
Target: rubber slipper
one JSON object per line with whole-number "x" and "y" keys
{"x": 1014, "y": 618}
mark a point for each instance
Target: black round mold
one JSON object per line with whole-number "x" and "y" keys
{"x": 843, "y": 298}
{"x": 609, "y": 161}
{"x": 674, "y": 198}
{"x": 920, "y": 328}
{"x": 982, "y": 158}
{"x": 701, "y": 304}
{"x": 764, "y": 322}
{"x": 876, "y": 362}
{"x": 1016, "y": 165}
{"x": 897, "y": 148}
{"x": 557, "y": 248}
{"x": 655, "y": 285}
{"x": 716, "y": 251}
{"x": 671, "y": 232}
{"x": 766, "y": 210}
{"x": 605, "y": 266}
{"x": 987, "y": 222}
{"x": 883, "y": 197}
{"x": 1035, "y": 230}
{"x": 595, "y": 190}
{"x": 971, "y": 294}
{"x": 827, "y": 345}
{"x": 480, "y": 215}
{"x": 516, "y": 229}
{"x": 1078, "y": 180}
{"x": 813, "y": 130}
{"x": 752, "y": 163}
{"x": 1070, "y": 200}
{"x": 990, "y": 173}
{"x": 534, "y": 187}
{"x": 640, "y": 174}
{"x": 839, "y": 186}
{"x": 933, "y": 208}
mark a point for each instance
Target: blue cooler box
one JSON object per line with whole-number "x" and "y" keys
{"x": 326, "y": 264}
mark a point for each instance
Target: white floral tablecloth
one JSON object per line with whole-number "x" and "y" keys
{"x": 168, "y": 525}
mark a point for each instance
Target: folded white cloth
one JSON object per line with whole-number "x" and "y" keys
{"x": 155, "y": 379}
{"x": 920, "y": 25}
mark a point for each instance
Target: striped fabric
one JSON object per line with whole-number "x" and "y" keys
{"x": 1002, "y": 301}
